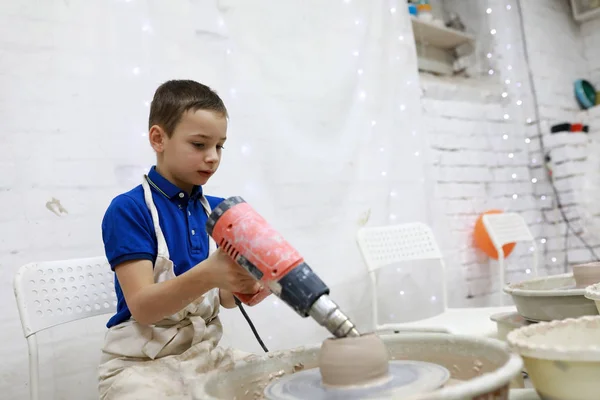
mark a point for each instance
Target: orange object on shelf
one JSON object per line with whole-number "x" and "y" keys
{"x": 482, "y": 238}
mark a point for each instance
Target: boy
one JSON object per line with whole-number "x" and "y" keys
{"x": 170, "y": 278}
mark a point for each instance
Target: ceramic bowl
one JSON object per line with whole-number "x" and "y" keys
{"x": 592, "y": 292}
{"x": 549, "y": 298}
{"x": 561, "y": 357}
{"x": 585, "y": 93}
{"x": 586, "y": 274}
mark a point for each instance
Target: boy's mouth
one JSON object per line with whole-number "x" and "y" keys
{"x": 206, "y": 173}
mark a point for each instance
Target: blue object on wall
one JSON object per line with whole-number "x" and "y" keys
{"x": 585, "y": 94}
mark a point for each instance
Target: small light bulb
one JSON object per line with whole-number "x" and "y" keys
{"x": 506, "y": 116}
{"x": 532, "y": 249}
{"x": 392, "y": 194}
{"x": 510, "y": 155}
{"x": 400, "y": 38}
{"x": 518, "y": 84}
{"x": 381, "y": 149}
{"x": 373, "y": 123}
{"x": 519, "y": 102}
{"x": 362, "y": 95}
{"x": 509, "y": 67}
{"x": 357, "y": 22}
{"x": 414, "y": 133}
{"x": 144, "y": 134}
{"x": 507, "y": 81}
{"x": 355, "y": 53}
{"x": 393, "y": 217}
{"x": 408, "y": 82}
{"x": 402, "y": 293}
{"x": 528, "y": 271}
{"x": 360, "y": 71}
{"x": 534, "y": 160}
{"x": 514, "y": 176}
{"x": 534, "y": 180}
{"x": 489, "y": 11}
{"x": 543, "y": 198}
{"x": 514, "y": 196}
{"x": 491, "y": 72}
{"x": 433, "y": 298}
{"x": 508, "y": 7}
{"x": 228, "y": 51}
{"x": 416, "y": 154}
{"x": 508, "y": 46}
{"x": 505, "y": 136}
{"x": 393, "y": 10}
{"x": 527, "y": 140}
{"x": 543, "y": 240}
{"x": 529, "y": 120}
{"x": 553, "y": 259}
{"x": 147, "y": 103}
{"x": 402, "y": 107}
{"x": 136, "y": 71}
{"x": 383, "y": 173}
{"x": 493, "y": 31}
{"x": 504, "y": 94}
{"x": 489, "y": 55}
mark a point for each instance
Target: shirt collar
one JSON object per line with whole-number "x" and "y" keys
{"x": 167, "y": 189}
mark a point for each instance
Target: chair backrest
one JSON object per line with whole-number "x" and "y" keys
{"x": 385, "y": 245}
{"x": 506, "y": 228}
{"x": 57, "y": 292}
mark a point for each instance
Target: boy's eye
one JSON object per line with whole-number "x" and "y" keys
{"x": 220, "y": 147}
{"x": 198, "y": 145}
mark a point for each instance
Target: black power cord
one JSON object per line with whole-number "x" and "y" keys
{"x": 542, "y": 148}
{"x": 256, "y": 335}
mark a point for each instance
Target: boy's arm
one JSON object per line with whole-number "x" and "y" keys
{"x": 150, "y": 302}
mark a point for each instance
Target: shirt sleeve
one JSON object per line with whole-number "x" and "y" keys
{"x": 128, "y": 232}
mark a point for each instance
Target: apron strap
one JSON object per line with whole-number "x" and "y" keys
{"x": 162, "y": 249}
{"x": 212, "y": 245}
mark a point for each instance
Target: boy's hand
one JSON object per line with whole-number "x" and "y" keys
{"x": 228, "y": 275}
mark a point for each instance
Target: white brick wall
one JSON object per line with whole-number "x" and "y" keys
{"x": 591, "y": 43}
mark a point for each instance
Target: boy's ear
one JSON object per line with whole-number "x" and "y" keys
{"x": 157, "y": 137}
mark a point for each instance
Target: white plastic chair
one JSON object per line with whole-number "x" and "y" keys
{"x": 507, "y": 228}
{"x": 57, "y": 292}
{"x": 386, "y": 245}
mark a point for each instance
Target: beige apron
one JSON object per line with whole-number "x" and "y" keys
{"x": 161, "y": 360}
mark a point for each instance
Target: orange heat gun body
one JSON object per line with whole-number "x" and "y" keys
{"x": 256, "y": 246}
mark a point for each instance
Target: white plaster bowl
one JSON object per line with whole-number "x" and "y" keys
{"x": 592, "y": 292}
{"x": 562, "y": 358}
{"x": 550, "y": 298}
{"x": 482, "y": 368}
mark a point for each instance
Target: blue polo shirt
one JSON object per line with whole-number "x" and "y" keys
{"x": 128, "y": 230}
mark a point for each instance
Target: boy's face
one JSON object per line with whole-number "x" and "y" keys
{"x": 193, "y": 152}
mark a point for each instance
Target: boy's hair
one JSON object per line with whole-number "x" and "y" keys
{"x": 173, "y": 98}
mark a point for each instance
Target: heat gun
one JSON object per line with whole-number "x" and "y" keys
{"x": 257, "y": 247}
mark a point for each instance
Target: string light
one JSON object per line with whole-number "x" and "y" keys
{"x": 519, "y": 102}
{"x": 393, "y": 10}
{"x": 400, "y": 38}
{"x": 489, "y": 11}
{"x": 402, "y": 107}
{"x": 527, "y": 140}
{"x": 533, "y": 180}
{"x": 493, "y": 31}
{"x": 505, "y": 136}
{"x": 489, "y": 55}
{"x": 543, "y": 240}
{"x": 510, "y": 155}
{"x": 355, "y": 53}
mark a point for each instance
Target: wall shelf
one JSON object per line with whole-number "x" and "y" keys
{"x": 585, "y": 10}
{"x": 436, "y": 46}
{"x": 430, "y": 34}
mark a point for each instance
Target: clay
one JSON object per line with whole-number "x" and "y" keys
{"x": 354, "y": 361}
{"x": 586, "y": 274}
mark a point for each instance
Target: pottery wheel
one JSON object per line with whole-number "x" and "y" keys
{"x": 407, "y": 378}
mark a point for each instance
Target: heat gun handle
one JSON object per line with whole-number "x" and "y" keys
{"x": 253, "y": 299}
